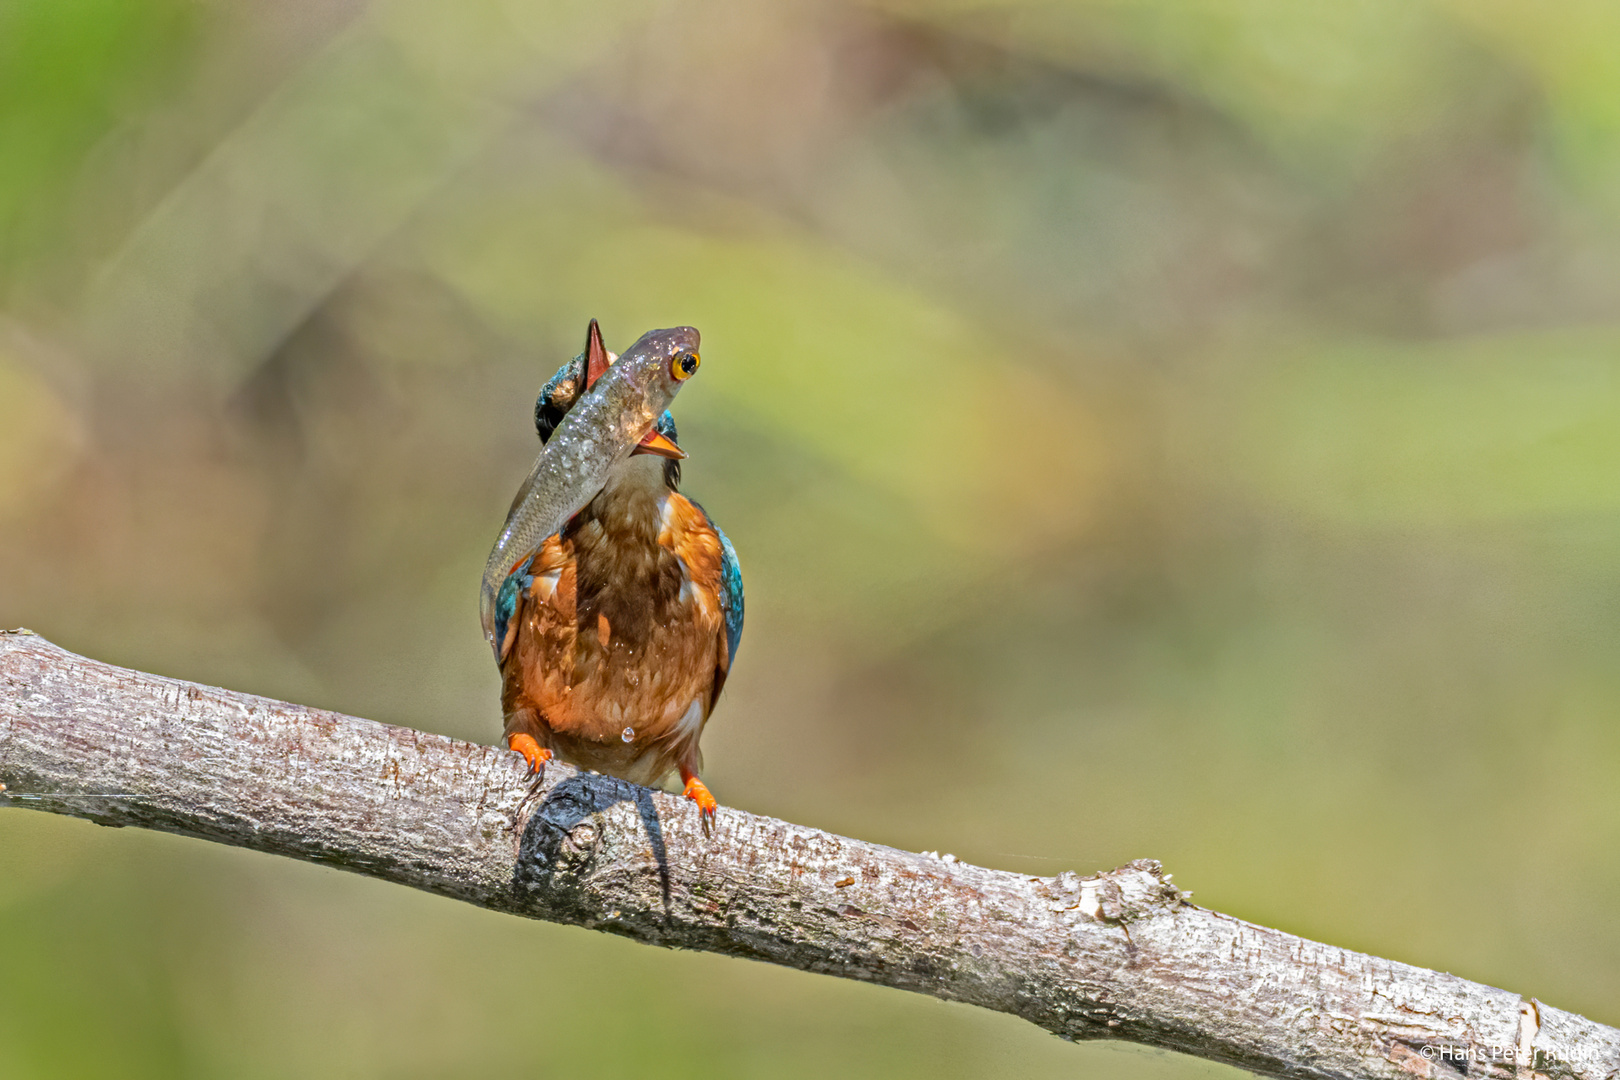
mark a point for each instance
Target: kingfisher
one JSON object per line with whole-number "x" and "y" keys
{"x": 615, "y": 636}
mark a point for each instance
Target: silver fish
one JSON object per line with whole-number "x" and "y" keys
{"x": 616, "y": 414}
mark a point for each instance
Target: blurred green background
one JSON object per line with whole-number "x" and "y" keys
{"x": 1187, "y": 430}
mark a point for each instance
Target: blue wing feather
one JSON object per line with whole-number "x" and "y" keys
{"x": 506, "y": 600}
{"x": 731, "y": 592}
{"x": 731, "y": 586}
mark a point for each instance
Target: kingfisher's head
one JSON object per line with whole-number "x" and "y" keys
{"x": 578, "y": 375}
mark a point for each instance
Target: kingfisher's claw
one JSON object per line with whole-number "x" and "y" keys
{"x": 698, "y": 792}
{"x": 535, "y": 754}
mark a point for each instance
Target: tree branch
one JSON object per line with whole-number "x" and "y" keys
{"x": 1121, "y": 955}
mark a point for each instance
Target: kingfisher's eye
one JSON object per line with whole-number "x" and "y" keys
{"x": 682, "y": 365}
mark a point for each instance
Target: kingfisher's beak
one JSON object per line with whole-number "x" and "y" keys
{"x": 655, "y": 442}
{"x": 597, "y": 358}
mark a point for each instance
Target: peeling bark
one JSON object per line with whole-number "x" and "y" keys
{"x": 1119, "y": 955}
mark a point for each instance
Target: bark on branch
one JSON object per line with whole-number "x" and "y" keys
{"x": 1120, "y": 955}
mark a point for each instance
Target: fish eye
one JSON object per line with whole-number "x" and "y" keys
{"x": 682, "y": 365}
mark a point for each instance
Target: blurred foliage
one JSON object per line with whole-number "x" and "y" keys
{"x": 1148, "y": 428}
{"x": 70, "y": 74}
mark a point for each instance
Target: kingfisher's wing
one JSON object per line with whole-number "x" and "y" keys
{"x": 731, "y": 591}
{"x": 507, "y": 602}
{"x": 534, "y": 580}
{"x": 731, "y": 609}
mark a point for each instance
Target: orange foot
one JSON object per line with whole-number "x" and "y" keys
{"x": 698, "y": 792}
{"x": 535, "y": 754}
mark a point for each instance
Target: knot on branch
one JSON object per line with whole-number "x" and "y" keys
{"x": 561, "y": 838}
{"x": 594, "y": 845}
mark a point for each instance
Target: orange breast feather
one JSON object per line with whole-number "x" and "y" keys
{"x": 630, "y": 699}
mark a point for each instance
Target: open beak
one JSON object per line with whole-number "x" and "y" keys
{"x": 656, "y": 443}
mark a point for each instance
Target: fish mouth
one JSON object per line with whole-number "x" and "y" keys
{"x": 656, "y": 442}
